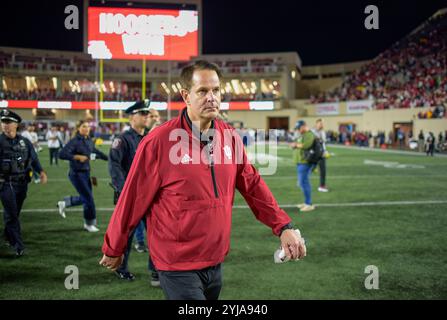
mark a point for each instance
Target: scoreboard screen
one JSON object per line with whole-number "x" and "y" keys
{"x": 152, "y": 34}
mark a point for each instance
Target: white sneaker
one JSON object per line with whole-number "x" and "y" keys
{"x": 307, "y": 208}
{"x": 36, "y": 181}
{"x": 301, "y": 206}
{"x": 90, "y": 228}
{"x": 323, "y": 189}
{"x": 61, "y": 207}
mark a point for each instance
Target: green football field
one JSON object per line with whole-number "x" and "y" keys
{"x": 383, "y": 209}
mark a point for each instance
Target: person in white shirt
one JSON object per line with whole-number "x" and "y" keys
{"x": 65, "y": 135}
{"x": 54, "y": 144}
{"x": 319, "y": 132}
{"x": 30, "y": 134}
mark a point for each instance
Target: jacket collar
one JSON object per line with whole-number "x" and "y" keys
{"x": 79, "y": 136}
{"x": 192, "y": 129}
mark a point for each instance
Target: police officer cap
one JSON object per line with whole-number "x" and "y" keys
{"x": 9, "y": 115}
{"x": 142, "y": 105}
{"x": 299, "y": 124}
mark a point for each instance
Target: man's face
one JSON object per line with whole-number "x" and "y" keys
{"x": 154, "y": 116}
{"x": 303, "y": 129}
{"x": 9, "y": 128}
{"x": 140, "y": 119}
{"x": 203, "y": 98}
{"x": 320, "y": 125}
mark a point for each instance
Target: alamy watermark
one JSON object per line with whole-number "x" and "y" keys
{"x": 72, "y": 20}
{"x": 225, "y": 147}
{"x": 372, "y": 20}
{"x": 372, "y": 280}
{"x": 72, "y": 280}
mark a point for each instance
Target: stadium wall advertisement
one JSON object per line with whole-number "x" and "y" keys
{"x": 354, "y": 107}
{"x": 327, "y": 109}
{"x": 151, "y": 34}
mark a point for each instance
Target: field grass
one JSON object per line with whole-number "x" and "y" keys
{"x": 392, "y": 217}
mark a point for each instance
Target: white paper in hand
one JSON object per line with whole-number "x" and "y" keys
{"x": 279, "y": 256}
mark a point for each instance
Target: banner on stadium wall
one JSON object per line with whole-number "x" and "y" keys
{"x": 152, "y": 34}
{"x": 118, "y": 105}
{"x": 358, "y": 106}
{"x": 327, "y": 109}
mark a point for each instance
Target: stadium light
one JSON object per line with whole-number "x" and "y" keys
{"x": 54, "y": 79}
{"x": 293, "y": 74}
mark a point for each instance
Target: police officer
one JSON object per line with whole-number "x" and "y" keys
{"x": 80, "y": 151}
{"x": 17, "y": 160}
{"x": 121, "y": 156}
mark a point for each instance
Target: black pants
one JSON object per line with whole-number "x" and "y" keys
{"x": 204, "y": 284}
{"x": 431, "y": 149}
{"x": 322, "y": 166}
{"x": 12, "y": 196}
{"x": 53, "y": 155}
{"x": 124, "y": 267}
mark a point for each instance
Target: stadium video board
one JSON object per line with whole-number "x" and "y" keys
{"x": 151, "y": 34}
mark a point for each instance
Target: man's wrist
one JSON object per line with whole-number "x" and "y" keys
{"x": 288, "y": 226}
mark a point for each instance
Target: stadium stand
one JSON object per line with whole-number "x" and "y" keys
{"x": 412, "y": 73}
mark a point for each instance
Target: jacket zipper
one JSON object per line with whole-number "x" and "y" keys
{"x": 213, "y": 176}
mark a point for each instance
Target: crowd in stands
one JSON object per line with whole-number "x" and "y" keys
{"x": 67, "y": 65}
{"x": 433, "y": 113}
{"x": 412, "y": 73}
{"x": 69, "y": 95}
{"x": 83, "y": 63}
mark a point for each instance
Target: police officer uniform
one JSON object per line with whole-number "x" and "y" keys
{"x": 121, "y": 156}
{"x": 124, "y": 148}
{"x": 17, "y": 160}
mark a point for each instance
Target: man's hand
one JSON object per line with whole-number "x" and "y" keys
{"x": 80, "y": 157}
{"x": 111, "y": 263}
{"x": 295, "y": 145}
{"x": 43, "y": 177}
{"x": 293, "y": 245}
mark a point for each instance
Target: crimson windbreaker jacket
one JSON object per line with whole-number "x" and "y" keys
{"x": 186, "y": 191}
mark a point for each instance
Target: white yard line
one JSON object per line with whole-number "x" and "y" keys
{"x": 323, "y": 205}
{"x": 358, "y": 177}
{"x": 392, "y": 151}
{"x": 314, "y": 176}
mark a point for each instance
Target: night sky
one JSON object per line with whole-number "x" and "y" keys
{"x": 320, "y": 31}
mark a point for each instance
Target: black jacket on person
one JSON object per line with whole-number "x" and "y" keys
{"x": 82, "y": 146}
{"x": 121, "y": 156}
{"x": 17, "y": 158}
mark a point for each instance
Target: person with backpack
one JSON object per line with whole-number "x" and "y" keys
{"x": 307, "y": 152}
{"x": 318, "y": 131}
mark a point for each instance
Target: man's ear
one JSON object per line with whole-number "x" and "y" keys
{"x": 185, "y": 95}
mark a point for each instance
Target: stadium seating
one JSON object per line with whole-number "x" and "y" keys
{"x": 412, "y": 73}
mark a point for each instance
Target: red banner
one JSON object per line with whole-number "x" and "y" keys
{"x": 116, "y": 105}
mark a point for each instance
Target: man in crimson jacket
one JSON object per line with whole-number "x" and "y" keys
{"x": 183, "y": 180}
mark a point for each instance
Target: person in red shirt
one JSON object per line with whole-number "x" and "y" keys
{"x": 183, "y": 181}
